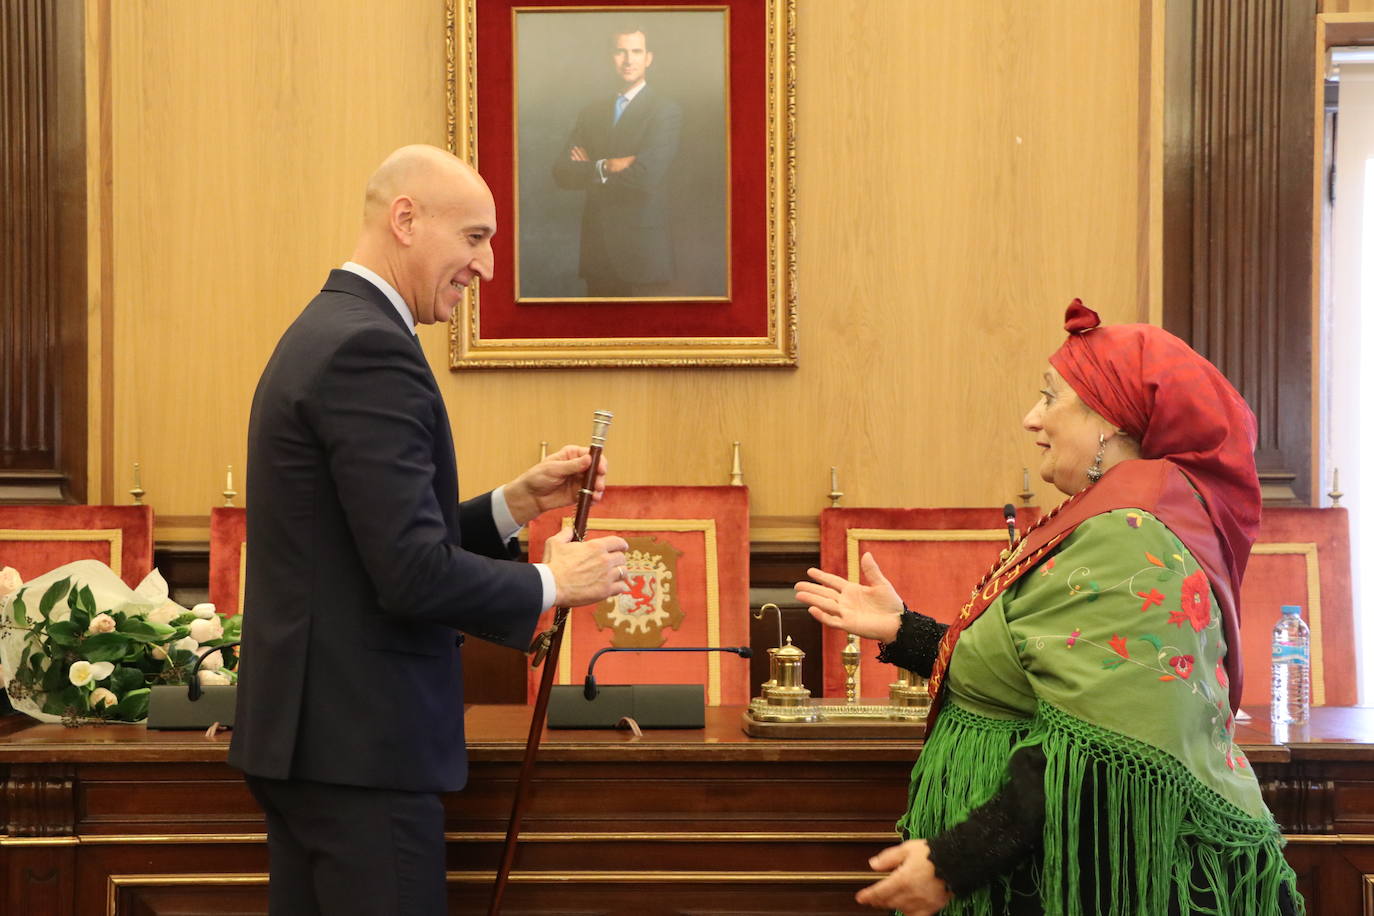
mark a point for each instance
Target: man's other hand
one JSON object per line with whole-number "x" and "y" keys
{"x": 553, "y": 483}
{"x": 586, "y": 572}
{"x": 578, "y": 154}
{"x": 619, "y": 165}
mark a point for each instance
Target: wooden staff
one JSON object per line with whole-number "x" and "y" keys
{"x": 546, "y": 646}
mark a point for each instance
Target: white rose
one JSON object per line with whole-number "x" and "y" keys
{"x": 103, "y": 623}
{"x": 10, "y": 580}
{"x": 102, "y": 696}
{"x": 213, "y": 678}
{"x": 204, "y": 611}
{"x": 81, "y": 674}
{"x": 186, "y": 642}
{"x": 206, "y": 630}
{"x": 212, "y": 662}
{"x": 165, "y": 614}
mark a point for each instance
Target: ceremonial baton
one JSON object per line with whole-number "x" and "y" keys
{"x": 545, "y": 648}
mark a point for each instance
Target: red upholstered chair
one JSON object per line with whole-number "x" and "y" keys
{"x": 228, "y": 538}
{"x": 1302, "y": 557}
{"x": 932, "y": 556}
{"x": 689, "y": 575}
{"x": 36, "y": 539}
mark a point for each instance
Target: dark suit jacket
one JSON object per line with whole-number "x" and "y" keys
{"x": 625, "y": 221}
{"x": 361, "y": 564}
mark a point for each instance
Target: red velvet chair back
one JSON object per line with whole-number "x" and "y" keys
{"x": 228, "y": 538}
{"x": 36, "y": 539}
{"x": 689, "y": 576}
{"x": 1302, "y": 557}
{"x": 932, "y": 556}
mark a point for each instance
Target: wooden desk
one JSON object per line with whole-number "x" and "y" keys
{"x": 121, "y": 820}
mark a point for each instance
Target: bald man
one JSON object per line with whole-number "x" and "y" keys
{"x": 364, "y": 569}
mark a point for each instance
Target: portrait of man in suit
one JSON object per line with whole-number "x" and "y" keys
{"x": 619, "y": 155}
{"x": 631, "y": 202}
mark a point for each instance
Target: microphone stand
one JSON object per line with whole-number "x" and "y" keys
{"x": 545, "y": 647}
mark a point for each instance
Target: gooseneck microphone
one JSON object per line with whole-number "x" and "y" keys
{"x": 589, "y": 684}
{"x": 1009, "y": 513}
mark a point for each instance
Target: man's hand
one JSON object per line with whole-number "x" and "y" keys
{"x": 553, "y": 483}
{"x": 578, "y": 154}
{"x": 912, "y": 887}
{"x": 619, "y": 165}
{"x": 586, "y": 572}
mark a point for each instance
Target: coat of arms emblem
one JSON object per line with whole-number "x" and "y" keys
{"x": 637, "y": 618}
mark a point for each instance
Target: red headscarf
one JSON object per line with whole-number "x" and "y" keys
{"x": 1178, "y": 406}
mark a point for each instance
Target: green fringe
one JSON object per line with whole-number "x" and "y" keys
{"x": 1165, "y": 833}
{"x": 963, "y": 764}
{"x": 1162, "y": 829}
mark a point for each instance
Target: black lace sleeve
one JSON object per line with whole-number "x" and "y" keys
{"x": 999, "y": 834}
{"x": 918, "y": 639}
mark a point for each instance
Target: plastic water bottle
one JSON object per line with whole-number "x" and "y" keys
{"x": 1290, "y": 699}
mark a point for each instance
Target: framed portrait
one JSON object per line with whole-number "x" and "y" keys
{"x": 641, "y": 158}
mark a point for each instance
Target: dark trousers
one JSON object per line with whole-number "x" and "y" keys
{"x": 352, "y": 851}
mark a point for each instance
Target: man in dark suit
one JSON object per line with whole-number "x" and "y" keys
{"x": 619, "y": 153}
{"x": 363, "y": 565}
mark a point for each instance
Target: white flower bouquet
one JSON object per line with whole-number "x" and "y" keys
{"x": 78, "y": 646}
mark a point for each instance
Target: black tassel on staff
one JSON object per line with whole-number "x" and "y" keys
{"x": 545, "y": 647}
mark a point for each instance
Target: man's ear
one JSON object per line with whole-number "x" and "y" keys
{"x": 402, "y": 220}
{"x": 648, "y": 59}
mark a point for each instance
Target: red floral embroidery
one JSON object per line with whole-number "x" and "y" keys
{"x": 1182, "y": 665}
{"x": 1119, "y": 644}
{"x": 1197, "y": 602}
{"x": 1047, "y": 567}
{"x": 1073, "y": 638}
{"x": 1151, "y": 599}
{"x": 1221, "y": 675}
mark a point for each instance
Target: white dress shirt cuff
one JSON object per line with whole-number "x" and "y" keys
{"x": 550, "y": 588}
{"x": 508, "y": 527}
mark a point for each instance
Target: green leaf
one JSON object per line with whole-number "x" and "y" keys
{"x": 54, "y": 594}
{"x": 85, "y": 600}
{"x": 80, "y": 618}
{"x": 124, "y": 679}
{"x": 105, "y": 647}
{"x": 21, "y": 610}
{"x": 134, "y": 706}
{"x": 143, "y": 631}
{"x": 233, "y": 627}
{"x": 55, "y": 676}
{"x": 64, "y": 633}
{"x": 1112, "y": 663}
{"x": 1154, "y": 641}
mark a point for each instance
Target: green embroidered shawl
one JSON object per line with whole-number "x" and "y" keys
{"x": 1108, "y": 656}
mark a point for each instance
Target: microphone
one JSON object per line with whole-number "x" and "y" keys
{"x": 1009, "y": 513}
{"x": 193, "y": 690}
{"x": 589, "y": 683}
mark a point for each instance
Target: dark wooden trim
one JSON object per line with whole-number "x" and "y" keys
{"x": 1237, "y": 218}
{"x": 43, "y": 251}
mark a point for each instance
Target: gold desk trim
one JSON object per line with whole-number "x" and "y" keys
{"x": 486, "y": 836}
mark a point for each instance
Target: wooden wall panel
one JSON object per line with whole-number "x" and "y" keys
{"x": 1238, "y": 213}
{"x": 42, "y": 251}
{"x": 964, "y": 171}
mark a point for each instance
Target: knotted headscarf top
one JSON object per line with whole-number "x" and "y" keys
{"x": 1177, "y": 405}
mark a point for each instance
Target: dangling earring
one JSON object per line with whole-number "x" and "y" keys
{"x": 1095, "y": 471}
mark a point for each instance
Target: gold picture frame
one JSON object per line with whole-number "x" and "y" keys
{"x": 754, "y": 324}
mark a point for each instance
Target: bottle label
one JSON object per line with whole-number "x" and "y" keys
{"x": 1284, "y": 654}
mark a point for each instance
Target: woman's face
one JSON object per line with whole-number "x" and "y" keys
{"x": 1068, "y": 433}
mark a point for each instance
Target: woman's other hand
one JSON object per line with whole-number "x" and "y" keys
{"x": 870, "y": 608}
{"x": 911, "y": 885}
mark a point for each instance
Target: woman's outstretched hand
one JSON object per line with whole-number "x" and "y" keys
{"x": 911, "y": 885}
{"x": 870, "y": 608}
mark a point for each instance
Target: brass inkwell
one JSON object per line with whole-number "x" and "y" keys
{"x": 786, "y": 709}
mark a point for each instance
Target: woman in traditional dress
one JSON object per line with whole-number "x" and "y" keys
{"x": 1081, "y": 758}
